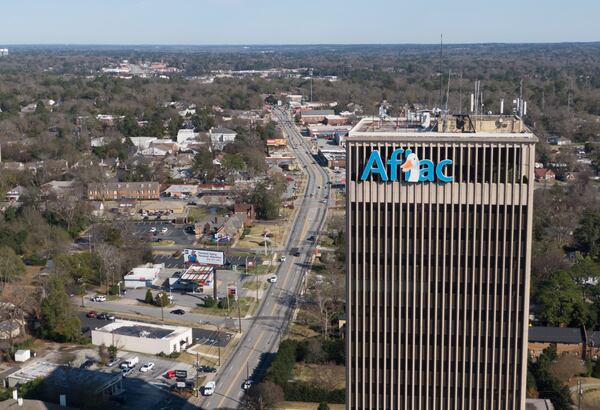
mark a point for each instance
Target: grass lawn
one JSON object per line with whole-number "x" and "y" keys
{"x": 329, "y": 376}
{"x": 259, "y": 270}
{"x": 255, "y": 237}
{"x": 247, "y": 306}
{"x": 300, "y": 332}
{"x": 164, "y": 242}
{"x": 253, "y": 285}
{"x": 197, "y": 214}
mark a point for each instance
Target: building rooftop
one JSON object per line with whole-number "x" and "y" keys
{"x": 141, "y": 330}
{"x": 423, "y": 126}
{"x": 555, "y": 335}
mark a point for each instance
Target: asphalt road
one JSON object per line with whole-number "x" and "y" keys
{"x": 263, "y": 332}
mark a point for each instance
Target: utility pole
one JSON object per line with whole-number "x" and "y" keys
{"x": 197, "y": 374}
{"x": 239, "y": 315}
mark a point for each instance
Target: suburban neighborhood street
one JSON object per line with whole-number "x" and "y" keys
{"x": 262, "y": 333}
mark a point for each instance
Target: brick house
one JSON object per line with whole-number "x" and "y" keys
{"x": 123, "y": 190}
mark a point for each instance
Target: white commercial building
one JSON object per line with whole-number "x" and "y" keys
{"x": 143, "y": 276}
{"x": 143, "y": 337}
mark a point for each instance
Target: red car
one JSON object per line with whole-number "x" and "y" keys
{"x": 91, "y": 313}
{"x": 170, "y": 374}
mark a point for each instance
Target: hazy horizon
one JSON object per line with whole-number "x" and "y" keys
{"x": 263, "y": 22}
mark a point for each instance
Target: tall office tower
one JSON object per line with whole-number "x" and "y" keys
{"x": 439, "y": 219}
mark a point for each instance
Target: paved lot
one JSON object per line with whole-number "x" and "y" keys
{"x": 142, "y": 390}
{"x": 201, "y": 336}
{"x": 175, "y": 232}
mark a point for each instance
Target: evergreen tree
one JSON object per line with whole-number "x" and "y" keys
{"x": 59, "y": 317}
{"x": 149, "y": 299}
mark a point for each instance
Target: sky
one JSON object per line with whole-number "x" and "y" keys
{"x": 222, "y": 22}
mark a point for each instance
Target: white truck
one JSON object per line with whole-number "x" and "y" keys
{"x": 130, "y": 363}
{"x": 209, "y": 388}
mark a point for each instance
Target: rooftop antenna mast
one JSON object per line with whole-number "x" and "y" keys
{"x": 441, "y": 73}
{"x": 310, "y": 72}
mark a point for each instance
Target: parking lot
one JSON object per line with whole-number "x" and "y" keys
{"x": 148, "y": 390}
{"x": 154, "y": 231}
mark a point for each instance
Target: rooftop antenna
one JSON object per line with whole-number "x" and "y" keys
{"x": 460, "y": 107}
{"x": 310, "y": 72}
{"x": 441, "y": 73}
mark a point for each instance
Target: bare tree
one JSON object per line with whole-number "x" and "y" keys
{"x": 17, "y": 298}
{"x": 111, "y": 263}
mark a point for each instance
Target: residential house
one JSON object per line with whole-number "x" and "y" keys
{"x": 248, "y": 210}
{"x": 185, "y": 135}
{"x": 123, "y": 190}
{"x": 220, "y": 136}
{"x": 142, "y": 143}
{"x": 14, "y": 194}
{"x": 544, "y": 174}
{"x": 567, "y": 340}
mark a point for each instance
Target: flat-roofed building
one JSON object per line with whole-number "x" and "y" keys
{"x": 143, "y": 337}
{"x": 439, "y": 223}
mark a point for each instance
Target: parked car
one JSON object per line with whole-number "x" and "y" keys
{"x": 209, "y": 388}
{"x": 164, "y": 230}
{"x": 126, "y": 371}
{"x": 130, "y": 363}
{"x": 170, "y": 374}
{"x": 206, "y": 369}
{"x": 153, "y": 229}
{"x": 91, "y": 314}
{"x": 282, "y": 258}
{"x": 147, "y": 367}
{"x": 87, "y": 364}
{"x": 112, "y": 362}
{"x": 105, "y": 316}
{"x": 99, "y": 298}
{"x": 272, "y": 279}
{"x": 178, "y": 312}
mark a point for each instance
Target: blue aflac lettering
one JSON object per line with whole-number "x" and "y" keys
{"x": 427, "y": 170}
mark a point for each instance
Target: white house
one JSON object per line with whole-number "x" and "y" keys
{"x": 220, "y": 136}
{"x": 143, "y": 337}
{"x": 185, "y": 135}
{"x": 142, "y": 143}
{"x": 143, "y": 276}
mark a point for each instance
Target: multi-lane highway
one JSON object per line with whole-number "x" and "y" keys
{"x": 262, "y": 333}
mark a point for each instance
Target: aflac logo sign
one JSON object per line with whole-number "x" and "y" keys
{"x": 415, "y": 170}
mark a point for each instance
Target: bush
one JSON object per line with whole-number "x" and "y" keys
{"x": 210, "y": 302}
{"x": 323, "y": 406}
{"x": 596, "y": 371}
{"x": 172, "y": 355}
{"x": 305, "y": 392}
{"x": 114, "y": 290}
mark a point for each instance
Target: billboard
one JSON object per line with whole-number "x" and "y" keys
{"x": 202, "y": 257}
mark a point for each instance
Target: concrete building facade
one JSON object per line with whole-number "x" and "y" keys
{"x": 438, "y": 269}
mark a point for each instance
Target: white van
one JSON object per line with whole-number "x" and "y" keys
{"x": 130, "y": 363}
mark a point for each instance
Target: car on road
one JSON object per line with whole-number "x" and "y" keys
{"x": 91, "y": 314}
{"x": 112, "y": 362}
{"x": 87, "y": 364}
{"x": 324, "y": 201}
{"x": 178, "y": 312}
{"x": 247, "y": 384}
{"x": 153, "y": 229}
{"x": 272, "y": 279}
{"x": 311, "y": 238}
{"x": 164, "y": 230}
{"x": 147, "y": 367}
{"x": 99, "y": 298}
{"x": 282, "y": 258}
{"x": 209, "y": 388}
{"x": 295, "y": 252}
